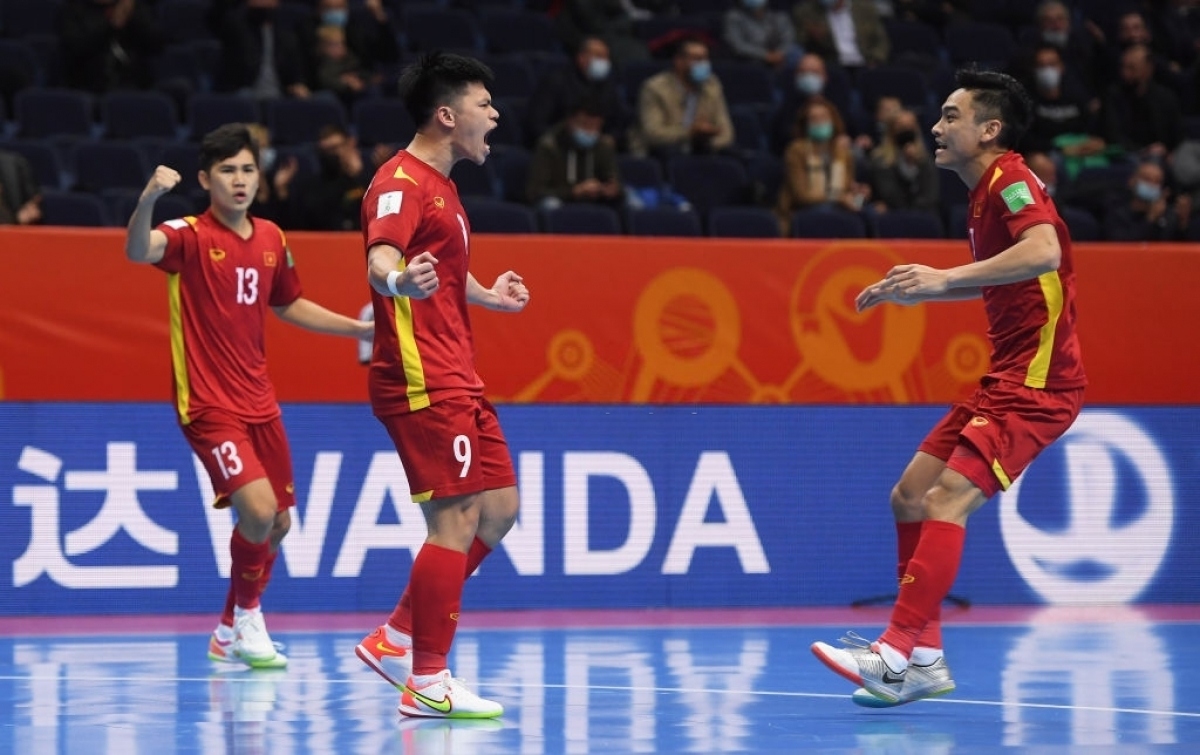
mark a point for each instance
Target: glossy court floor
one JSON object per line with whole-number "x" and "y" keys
{"x": 1114, "y": 679}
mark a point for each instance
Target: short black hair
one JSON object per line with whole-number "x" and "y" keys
{"x": 224, "y": 142}
{"x": 435, "y": 79}
{"x": 1001, "y": 97}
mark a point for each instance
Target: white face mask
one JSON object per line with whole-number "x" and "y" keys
{"x": 1056, "y": 38}
{"x": 1146, "y": 191}
{"x": 598, "y": 69}
{"x": 809, "y": 83}
{"x": 1049, "y": 77}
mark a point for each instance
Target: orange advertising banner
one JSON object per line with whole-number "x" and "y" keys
{"x": 615, "y": 320}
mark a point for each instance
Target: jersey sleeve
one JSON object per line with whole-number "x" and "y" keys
{"x": 393, "y": 214}
{"x": 181, "y": 241}
{"x": 285, "y": 289}
{"x": 1022, "y": 201}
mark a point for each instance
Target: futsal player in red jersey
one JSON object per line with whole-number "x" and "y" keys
{"x": 422, "y": 378}
{"x": 225, "y": 269}
{"x": 1031, "y": 394}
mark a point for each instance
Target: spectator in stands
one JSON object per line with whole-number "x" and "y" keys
{"x": 936, "y": 13}
{"x": 809, "y": 81}
{"x": 754, "y": 31}
{"x": 611, "y": 20}
{"x": 1064, "y": 115}
{"x": 1078, "y": 47}
{"x": 1184, "y": 165}
{"x": 848, "y": 33}
{"x": 819, "y": 165}
{"x": 1145, "y": 211}
{"x": 370, "y": 36}
{"x": 20, "y": 195}
{"x": 1168, "y": 63}
{"x": 339, "y": 71}
{"x": 903, "y": 176}
{"x": 589, "y": 78}
{"x": 259, "y": 57}
{"x": 274, "y": 198}
{"x": 1064, "y": 193}
{"x": 887, "y": 107}
{"x": 331, "y": 200}
{"x": 683, "y": 110}
{"x": 1139, "y": 114}
{"x": 108, "y": 44}
{"x": 576, "y": 162}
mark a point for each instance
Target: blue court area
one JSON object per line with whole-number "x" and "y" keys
{"x": 1111, "y": 680}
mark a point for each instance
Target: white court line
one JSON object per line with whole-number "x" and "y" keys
{"x": 249, "y": 676}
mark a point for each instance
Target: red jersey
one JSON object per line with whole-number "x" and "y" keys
{"x": 1031, "y": 324}
{"x": 424, "y": 351}
{"x": 220, "y": 286}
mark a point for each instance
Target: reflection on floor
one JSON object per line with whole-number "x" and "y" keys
{"x": 630, "y": 682}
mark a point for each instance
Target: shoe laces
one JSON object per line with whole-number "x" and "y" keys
{"x": 853, "y": 639}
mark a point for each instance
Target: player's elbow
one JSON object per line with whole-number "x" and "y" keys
{"x": 1049, "y": 256}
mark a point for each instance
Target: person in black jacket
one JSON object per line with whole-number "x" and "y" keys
{"x": 108, "y": 44}
{"x": 590, "y": 77}
{"x": 20, "y": 196}
{"x": 259, "y": 56}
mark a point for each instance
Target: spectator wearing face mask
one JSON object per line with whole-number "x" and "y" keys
{"x": 331, "y": 200}
{"x": 808, "y": 79}
{"x": 274, "y": 200}
{"x": 1146, "y": 211}
{"x": 1064, "y": 116}
{"x": 819, "y": 166}
{"x": 1079, "y": 44}
{"x": 848, "y": 33}
{"x": 590, "y": 78}
{"x": 903, "y": 176}
{"x": 575, "y": 162}
{"x": 682, "y": 110}
{"x": 369, "y": 34}
{"x": 757, "y": 33}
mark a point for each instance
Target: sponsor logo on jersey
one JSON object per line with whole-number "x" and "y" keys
{"x": 216, "y": 254}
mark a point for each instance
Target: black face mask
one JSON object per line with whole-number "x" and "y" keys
{"x": 905, "y": 137}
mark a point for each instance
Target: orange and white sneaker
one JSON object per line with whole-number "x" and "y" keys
{"x": 443, "y": 696}
{"x": 220, "y": 650}
{"x": 392, "y": 662}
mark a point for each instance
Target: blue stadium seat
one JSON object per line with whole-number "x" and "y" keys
{"x": 301, "y": 121}
{"x": 383, "y": 121}
{"x": 908, "y": 224}
{"x": 642, "y": 172}
{"x": 514, "y": 77}
{"x": 493, "y": 216}
{"x": 21, "y": 64}
{"x": 207, "y": 110}
{"x": 432, "y": 28}
{"x": 913, "y": 38}
{"x": 743, "y": 222}
{"x": 518, "y": 31}
{"x": 47, "y": 166}
{"x": 127, "y": 115}
{"x": 475, "y": 180}
{"x": 582, "y": 220}
{"x": 907, "y": 84}
{"x": 748, "y": 129}
{"x": 109, "y": 165}
{"x": 167, "y": 207}
{"x": 634, "y": 73}
{"x": 827, "y": 224}
{"x": 68, "y": 209}
{"x": 183, "y": 20}
{"x": 53, "y": 112}
{"x": 765, "y": 172}
{"x": 511, "y": 165}
{"x": 987, "y": 44}
{"x": 1081, "y": 223}
{"x": 709, "y": 180}
{"x": 1193, "y": 231}
{"x": 20, "y": 18}
{"x": 663, "y": 221}
{"x": 746, "y": 83}
{"x": 185, "y": 159}
{"x": 508, "y": 131}
{"x": 956, "y": 221}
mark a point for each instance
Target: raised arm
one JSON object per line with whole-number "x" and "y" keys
{"x": 309, "y": 315}
{"x": 143, "y": 243}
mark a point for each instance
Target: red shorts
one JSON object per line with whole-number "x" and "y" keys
{"x": 236, "y": 452}
{"x": 993, "y": 436}
{"x": 452, "y": 447}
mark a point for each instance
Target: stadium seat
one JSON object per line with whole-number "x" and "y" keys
{"x": 765, "y": 172}
{"x": 183, "y": 20}
{"x": 475, "y": 180}
{"x": 582, "y": 220}
{"x": 913, "y": 38}
{"x": 748, "y": 129}
{"x": 492, "y": 216}
{"x": 64, "y": 208}
{"x": 709, "y": 180}
{"x": 208, "y": 110}
{"x": 746, "y": 84}
{"x": 956, "y": 222}
{"x": 743, "y": 222}
{"x": 827, "y": 224}
{"x": 431, "y": 28}
{"x": 20, "y": 63}
{"x": 127, "y": 115}
{"x": 43, "y": 158}
{"x": 634, "y": 73}
{"x": 53, "y": 112}
{"x": 383, "y": 121}
{"x": 989, "y": 45}
{"x": 908, "y": 224}
{"x": 109, "y": 165}
{"x": 167, "y": 207}
{"x": 509, "y": 131}
{"x": 301, "y": 121}
{"x": 518, "y": 31}
{"x": 952, "y": 192}
{"x": 663, "y": 221}
{"x": 642, "y": 172}
{"x": 511, "y": 165}
{"x": 20, "y": 18}
{"x": 1081, "y": 223}
{"x": 185, "y": 159}
{"x": 1193, "y": 231}
{"x": 907, "y": 84}
{"x": 514, "y": 77}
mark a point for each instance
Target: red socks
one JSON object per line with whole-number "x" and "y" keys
{"x": 401, "y": 617}
{"x": 908, "y": 534}
{"x": 927, "y": 580}
{"x": 231, "y": 599}
{"x": 248, "y": 569}
{"x": 436, "y": 585}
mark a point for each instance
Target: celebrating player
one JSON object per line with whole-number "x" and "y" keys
{"x": 1031, "y": 394}
{"x": 225, "y": 268}
{"x": 423, "y": 383}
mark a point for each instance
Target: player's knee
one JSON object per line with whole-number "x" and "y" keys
{"x": 948, "y": 505}
{"x": 281, "y": 526}
{"x": 907, "y": 502}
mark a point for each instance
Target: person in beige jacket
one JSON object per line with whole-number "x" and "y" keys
{"x": 682, "y": 110}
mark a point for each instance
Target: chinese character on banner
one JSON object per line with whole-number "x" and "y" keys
{"x": 121, "y": 509}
